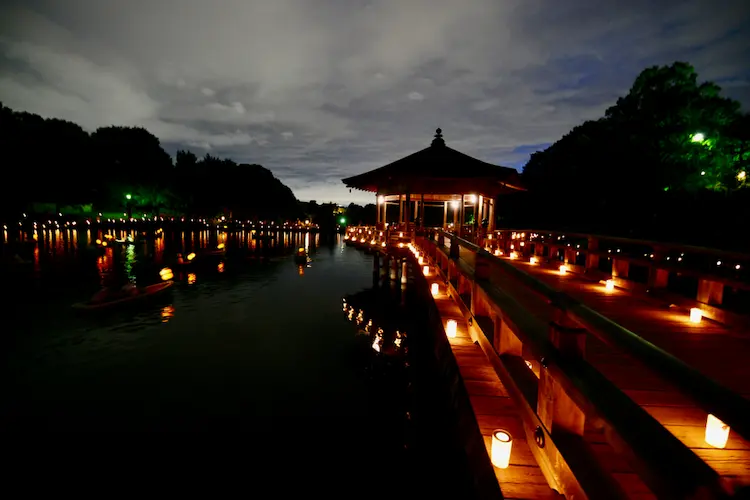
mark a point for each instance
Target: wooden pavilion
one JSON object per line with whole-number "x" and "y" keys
{"x": 438, "y": 176}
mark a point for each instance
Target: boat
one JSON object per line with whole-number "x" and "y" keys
{"x": 301, "y": 256}
{"x": 143, "y": 294}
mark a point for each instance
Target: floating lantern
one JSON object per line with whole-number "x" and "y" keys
{"x": 434, "y": 289}
{"x": 533, "y": 260}
{"x": 220, "y": 246}
{"x": 563, "y": 269}
{"x": 717, "y": 432}
{"x": 502, "y": 443}
{"x": 695, "y": 315}
{"x": 426, "y": 270}
{"x": 166, "y": 274}
{"x": 450, "y": 328}
{"x": 190, "y": 256}
{"x": 609, "y": 285}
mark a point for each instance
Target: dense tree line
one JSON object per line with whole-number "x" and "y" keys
{"x": 57, "y": 162}
{"x": 670, "y": 160}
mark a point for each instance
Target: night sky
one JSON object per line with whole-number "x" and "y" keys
{"x": 317, "y": 90}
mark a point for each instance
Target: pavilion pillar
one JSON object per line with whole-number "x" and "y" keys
{"x": 378, "y": 217}
{"x": 407, "y": 212}
{"x": 445, "y": 215}
{"x": 479, "y": 210}
{"x": 421, "y": 204}
{"x": 400, "y": 208}
{"x": 384, "y": 217}
{"x": 455, "y": 218}
{"x": 491, "y": 225}
{"x": 416, "y": 210}
{"x": 462, "y": 216}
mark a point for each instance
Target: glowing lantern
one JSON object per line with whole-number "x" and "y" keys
{"x": 498, "y": 252}
{"x": 563, "y": 269}
{"x": 609, "y": 285}
{"x": 166, "y": 274}
{"x": 401, "y": 245}
{"x": 717, "y": 432}
{"x": 450, "y": 328}
{"x": 434, "y": 289}
{"x": 383, "y": 244}
{"x": 502, "y": 443}
{"x": 190, "y": 256}
{"x": 695, "y": 315}
{"x": 220, "y": 246}
{"x": 533, "y": 260}
{"x": 400, "y": 235}
{"x": 420, "y": 260}
{"x": 426, "y": 270}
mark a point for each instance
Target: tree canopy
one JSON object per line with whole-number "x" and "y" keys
{"x": 666, "y": 144}
{"x": 56, "y": 161}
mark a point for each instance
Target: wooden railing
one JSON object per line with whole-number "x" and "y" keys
{"x": 569, "y": 391}
{"x": 714, "y": 272}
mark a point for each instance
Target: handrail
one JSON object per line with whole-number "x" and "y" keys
{"x": 636, "y": 241}
{"x": 712, "y": 397}
{"x": 683, "y": 475}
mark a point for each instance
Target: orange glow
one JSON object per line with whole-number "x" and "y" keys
{"x": 609, "y": 285}
{"x": 220, "y": 267}
{"x": 190, "y": 256}
{"x": 426, "y": 270}
{"x": 191, "y": 279}
{"x": 435, "y": 289}
{"x": 563, "y": 269}
{"x": 533, "y": 260}
{"x": 717, "y": 432}
{"x": 167, "y": 313}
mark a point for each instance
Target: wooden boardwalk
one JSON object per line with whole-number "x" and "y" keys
{"x": 493, "y": 409}
{"x": 718, "y": 352}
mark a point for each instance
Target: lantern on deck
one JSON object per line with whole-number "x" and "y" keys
{"x": 609, "y": 285}
{"x": 166, "y": 274}
{"x": 426, "y": 270}
{"x": 563, "y": 269}
{"x": 502, "y": 443}
{"x": 717, "y": 432}
{"x": 533, "y": 260}
{"x": 450, "y": 328}
{"x": 695, "y": 315}
{"x": 435, "y": 289}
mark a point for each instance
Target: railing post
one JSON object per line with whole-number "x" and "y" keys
{"x": 482, "y": 265}
{"x": 454, "y": 250}
{"x": 620, "y": 268}
{"x": 592, "y": 257}
{"x": 555, "y": 408}
{"x": 710, "y": 292}
{"x": 657, "y": 278}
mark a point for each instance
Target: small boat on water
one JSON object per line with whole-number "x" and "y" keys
{"x": 140, "y": 295}
{"x": 301, "y": 256}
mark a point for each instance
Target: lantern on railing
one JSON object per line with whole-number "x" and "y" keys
{"x": 426, "y": 270}
{"x": 450, "y": 328}
{"x": 434, "y": 289}
{"x": 533, "y": 260}
{"x": 502, "y": 443}
{"x": 563, "y": 269}
{"x": 609, "y": 285}
{"x": 717, "y": 432}
{"x": 695, "y": 315}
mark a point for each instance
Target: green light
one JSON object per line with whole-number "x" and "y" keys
{"x": 699, "y": 137}
{"x": 342, "y": 220}
{"x": 128, "y": 196}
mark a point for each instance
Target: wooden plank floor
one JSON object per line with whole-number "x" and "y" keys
{"x": 711, "y": 348}
{"x": 494, "y": 409}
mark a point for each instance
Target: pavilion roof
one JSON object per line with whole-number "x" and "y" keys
{"x": 438, "y": 169}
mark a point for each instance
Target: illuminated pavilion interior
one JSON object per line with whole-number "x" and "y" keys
{"x": 440, "y": 177}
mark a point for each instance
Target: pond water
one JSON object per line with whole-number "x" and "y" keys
{"x": 248, "y": 343}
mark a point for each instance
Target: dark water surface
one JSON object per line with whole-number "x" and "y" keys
{"x": 260, "y": 352}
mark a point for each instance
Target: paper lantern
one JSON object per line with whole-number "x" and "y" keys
{"x": 502, "y": 443}
{"x": 717, "y": 432}
{"x": 450, "y": 328}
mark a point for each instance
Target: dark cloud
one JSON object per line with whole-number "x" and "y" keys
{"x": 317, "y": 90}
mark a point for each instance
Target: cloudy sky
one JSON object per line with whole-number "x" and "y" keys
{"x": 317, "y": 90}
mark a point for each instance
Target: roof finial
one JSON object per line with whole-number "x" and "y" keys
{"x": 438, "y": 140}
